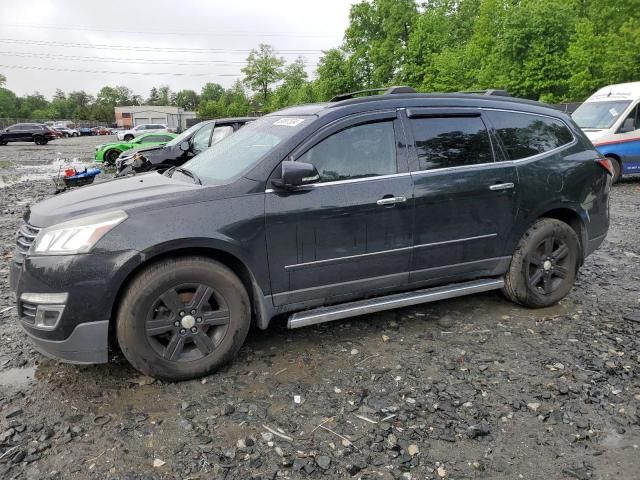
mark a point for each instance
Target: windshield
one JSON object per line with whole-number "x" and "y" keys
{"x": 242, "y": 150}
{"x": 599, "y": 115}
{"x": 184, "y": 135}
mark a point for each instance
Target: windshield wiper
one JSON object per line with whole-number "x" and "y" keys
{"x": 187, "y": 172}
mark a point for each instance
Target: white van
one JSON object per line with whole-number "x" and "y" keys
{"x": 611, "y": 119}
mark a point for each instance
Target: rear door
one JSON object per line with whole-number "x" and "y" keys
{"x": 352, "y": 232}
{"x": 465, "y": 201}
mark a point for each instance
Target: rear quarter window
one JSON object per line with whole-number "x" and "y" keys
{"x": 523, "y": 135}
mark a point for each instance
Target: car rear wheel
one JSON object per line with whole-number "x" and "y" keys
{"x": 3, "y": 141}
{"x": 110, "y": 156}
{"x": 183, "y": 318}
{"x": 39, "y": 140}
{"x": 544, "y": 265}
{"x": 74, "y": 134}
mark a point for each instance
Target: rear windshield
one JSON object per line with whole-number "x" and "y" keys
{"x": 599, "y": 115}
{"x": 242, "y": 150}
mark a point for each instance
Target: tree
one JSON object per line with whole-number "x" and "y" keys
{"x": 164, "y": 95}
{"x": 377, "y": 38}
{"x": 335, "y": 74}
{"x": 154, "y": 97}
{"x": 211, "y": 91}
{"x": 295, "y": 87}
{"x": 186, "y": 99}
{"x": 3, "y": 80}
{"x": 263, "y": 69}
{"x": 8, "y": 103}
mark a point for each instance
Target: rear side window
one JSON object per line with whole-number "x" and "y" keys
{"x": 443, "y": 142}
{"x": 524, "y": 135}
{"x": 360, "y": 151}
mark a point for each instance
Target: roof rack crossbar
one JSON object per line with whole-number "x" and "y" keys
{"x": 387, "y": 91}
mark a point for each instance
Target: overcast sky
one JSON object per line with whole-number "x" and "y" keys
{"x": 134, "y": 42}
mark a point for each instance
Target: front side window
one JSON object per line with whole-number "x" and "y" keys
{"x": 201, "y": 139}
{"x": 356, "y": 152}
{"x": 524, "y": 135}
{"x": 634, "y": 116}
{"x": 444, "y": 142}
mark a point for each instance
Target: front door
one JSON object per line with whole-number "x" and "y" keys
{"x": 464, "y": 199}
{"x": 353, "y": 230}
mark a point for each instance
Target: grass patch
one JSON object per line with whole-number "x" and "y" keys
{"x": 5, "y": 164}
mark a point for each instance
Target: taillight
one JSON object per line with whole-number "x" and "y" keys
{"x": 607, "y": 165}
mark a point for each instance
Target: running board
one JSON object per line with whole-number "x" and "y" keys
{"x": 390, "y": 302}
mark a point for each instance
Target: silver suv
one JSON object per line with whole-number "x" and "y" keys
{"x": 128, "y": 135}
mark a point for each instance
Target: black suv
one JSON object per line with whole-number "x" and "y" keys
{"x": 27, "y": 132}
{"x": 317, "y": 212}
{"x": 185, "y": 146}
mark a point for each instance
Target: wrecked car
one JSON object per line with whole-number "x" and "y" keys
{"x": 185, "y": 146}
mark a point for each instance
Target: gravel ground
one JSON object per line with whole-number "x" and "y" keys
{"x": 468, "y": 388}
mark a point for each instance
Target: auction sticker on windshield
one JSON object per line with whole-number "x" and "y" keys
{"x": 289, "y": 122}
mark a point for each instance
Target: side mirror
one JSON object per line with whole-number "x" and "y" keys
{"x": 184, "y": 146}
{"x": 629, "y": 125}
{"x": 296, "y": 174}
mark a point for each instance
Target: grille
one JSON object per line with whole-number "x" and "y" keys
{"x": 28, "y": 312}
{"x": 25, "y": 236}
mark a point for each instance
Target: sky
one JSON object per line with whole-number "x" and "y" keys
{"x": 85, "y": 45}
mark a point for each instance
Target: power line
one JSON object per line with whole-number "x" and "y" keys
{"x": 196, "y": 34}
{"x": 46, "y": 43}
{"x": 134, "y": 61}
{"x": 55, "y": 69}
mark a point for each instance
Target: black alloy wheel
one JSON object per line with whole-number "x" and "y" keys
{"x": 187, "y": 322}
{"x": 548, "y": 265}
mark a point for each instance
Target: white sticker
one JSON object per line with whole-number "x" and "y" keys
{"x": 289, "y": 122}
{"x": 613, "y": 112}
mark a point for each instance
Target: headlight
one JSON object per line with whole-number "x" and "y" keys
{"x": 76, "y": 236}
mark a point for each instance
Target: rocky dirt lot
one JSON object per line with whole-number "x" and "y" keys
{"x": 469, "y": 388}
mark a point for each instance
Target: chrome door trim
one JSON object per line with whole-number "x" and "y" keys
{"x": 330, "y": 261}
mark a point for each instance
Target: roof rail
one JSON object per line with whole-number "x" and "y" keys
{"x": 496, "y": 92}
{"x": 387, "y": 91}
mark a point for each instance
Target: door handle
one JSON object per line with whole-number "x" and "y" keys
{"x": 502, "y": 186}
{"x": 391, "y": 200}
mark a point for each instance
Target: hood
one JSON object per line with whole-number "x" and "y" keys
{"x": 123, "y": 193}
{"x": 593, "y": 134}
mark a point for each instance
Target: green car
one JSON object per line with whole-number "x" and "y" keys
{"x": 108, "y": 152}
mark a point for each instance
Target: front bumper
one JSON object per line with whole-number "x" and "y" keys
{"x": 91, "y": 282}
{"x": 87, "y": 344}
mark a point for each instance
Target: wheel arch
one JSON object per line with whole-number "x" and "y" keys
{"x": 574, "y": 220}
{"x": 261, "y": 309}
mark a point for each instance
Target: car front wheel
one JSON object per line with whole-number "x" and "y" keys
{"x": 39, "y": 140}
{"x": 128, "y": 138}
{"x": 110, "y": 156}
{"x": 544, "y": 265}
{"x": 183, "y": 318}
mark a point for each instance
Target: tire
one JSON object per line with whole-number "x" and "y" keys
{"x": 544, "y": 265}
{"x": 3, "y": 141}
{"x": 160, "y": 342}
{"x": 110, "y": 156}
{"x": 75, "y": 134}
{"x": 128, "y": 138}
{"x": 39, "y": 140}
{"x": 617, "y": 169}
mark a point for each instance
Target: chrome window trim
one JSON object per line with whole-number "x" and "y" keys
{"x": 352, "y": 180}
{"x": 329, "y": 261}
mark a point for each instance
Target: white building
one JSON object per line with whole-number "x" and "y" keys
{"x": 173, "y": 117}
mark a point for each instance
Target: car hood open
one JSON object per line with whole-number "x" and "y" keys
{"x": 123, "y": 193}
